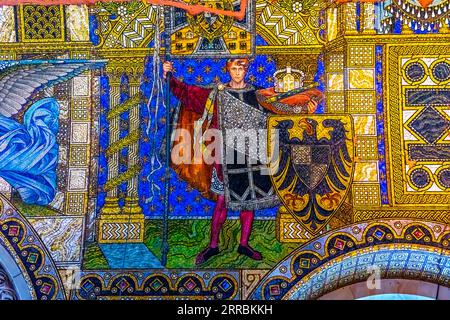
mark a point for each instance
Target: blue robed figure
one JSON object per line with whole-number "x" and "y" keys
{"x": 29, "y": 150}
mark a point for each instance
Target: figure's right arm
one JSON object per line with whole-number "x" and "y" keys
{"x": 193, "y": 98}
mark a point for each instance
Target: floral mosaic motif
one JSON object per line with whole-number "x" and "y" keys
{"x": 297, "y": 6}
{"x": 121, "y": 9}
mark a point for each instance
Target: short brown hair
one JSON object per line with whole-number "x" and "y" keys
{"x": 243, "y": 62}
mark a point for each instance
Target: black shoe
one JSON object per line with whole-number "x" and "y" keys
{"x": 205, "y": 255}
{"x": 249, "y": 252}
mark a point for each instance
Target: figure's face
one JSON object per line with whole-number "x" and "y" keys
{"x": 237, "y": 72}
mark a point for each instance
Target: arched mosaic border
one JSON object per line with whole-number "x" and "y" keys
{"x": 27, "y": 251}
{"x": 405, "y": 249}
{"x": 157, "y": 284}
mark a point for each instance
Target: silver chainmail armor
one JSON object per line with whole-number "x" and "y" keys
{"x": 246, "y": 184}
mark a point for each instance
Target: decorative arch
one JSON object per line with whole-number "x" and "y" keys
{"x": 394, "y": 249}
{"x": 25, "y": 259}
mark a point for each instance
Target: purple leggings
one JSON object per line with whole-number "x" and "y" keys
{"x": 219, "y": 217}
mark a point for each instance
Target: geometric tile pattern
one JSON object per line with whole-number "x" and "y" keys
{"x": 361, "y": 56}
{"x": 335, "y": 62}
{"x": 366, "y": 194}
{"x": 117, "y": 231}
{"x": 156, "y": 285}
{"x": 80, "y": 109}
{"x": 290, "y": 230}
{"x": 419, "y": 126}
{"x": 80, "y": 144}
{"x": 42, "y": 23}
{"x": 289, "y": 29}
{"x": 429, "y": 124}
{"x": 366, "y": 148}
{"x": 78, "y": 156}
{"x": 250, "y": 279}
{"x": 336, "y": 102}
{"x": 361, "y": 101}
{"x": 130, "y": 29}
{"x": 75, "y": 203}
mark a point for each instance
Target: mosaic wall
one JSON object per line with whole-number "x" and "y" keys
{"x": 93, "y": 205}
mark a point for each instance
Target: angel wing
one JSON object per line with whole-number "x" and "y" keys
{"x": 20, "y": 80}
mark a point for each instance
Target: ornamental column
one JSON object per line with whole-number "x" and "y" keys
{"x": 121, "y": 218}
{"x": 132, "y": 198}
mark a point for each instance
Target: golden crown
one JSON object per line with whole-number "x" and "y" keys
{"x": 288, "y": 79}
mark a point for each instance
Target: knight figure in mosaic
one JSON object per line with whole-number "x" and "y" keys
{"x": 238, "y": 178}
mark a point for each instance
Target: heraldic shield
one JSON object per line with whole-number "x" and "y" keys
{"x": 208, "y": 25}
{"x": 313, "y": 169}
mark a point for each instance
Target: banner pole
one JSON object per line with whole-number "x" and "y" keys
{"x": 165, "y": 227}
